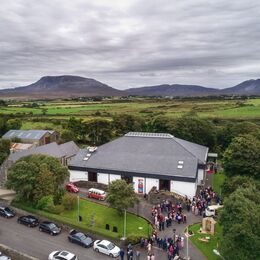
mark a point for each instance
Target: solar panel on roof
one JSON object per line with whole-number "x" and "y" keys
{"x": 146, "y": 134}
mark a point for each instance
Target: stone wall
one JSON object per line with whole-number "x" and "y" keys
{"x": 156, "y": 197}
{"x": 13, "y": 254}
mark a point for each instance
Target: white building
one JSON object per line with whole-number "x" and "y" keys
{"x": 145, "y": 159}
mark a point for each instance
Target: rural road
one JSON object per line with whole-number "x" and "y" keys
{"x": 40, "y": 245}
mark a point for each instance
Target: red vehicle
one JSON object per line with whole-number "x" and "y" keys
{"x": 96, "y": 194}
{"x": 71, "y": 187}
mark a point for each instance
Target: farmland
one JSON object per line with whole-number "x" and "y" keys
{"x": 224, "y": 109}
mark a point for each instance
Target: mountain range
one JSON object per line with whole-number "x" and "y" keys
{"x": 68, "y": 86}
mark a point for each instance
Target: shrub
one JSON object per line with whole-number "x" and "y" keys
{"x": 69, "y": 201}
{"x": 55, "y": 209}
{"x": 45, "y": 202}
{"x": 58, "y": 195}
{"x": 133, "y": 239}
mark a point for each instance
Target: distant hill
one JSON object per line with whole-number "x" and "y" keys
{"x": 67, "y": 86}
{"x": 249, "y": 87}
{"x": 61, "y": 87}
{"x": 173, "y": 90}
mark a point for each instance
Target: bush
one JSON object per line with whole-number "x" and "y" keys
{"x": 55, "y": 209}
{"x": 58, "y": 195}
{"x": 133, "y": 239}
{"x": 69, "y": 201}
{"x": 45, "y": 202}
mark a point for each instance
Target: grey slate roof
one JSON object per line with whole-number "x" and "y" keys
{"x": 52, "y": 149}
{"x": 144, "y": 153}
{"x": 69, "y": 149}
{"x": 26, "y": 134}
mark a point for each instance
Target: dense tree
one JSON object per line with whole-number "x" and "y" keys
{"x": 192, "y": 128}
{"x": 27, "y": 176}
{"x": 44, "y": 183}
{"x": 99, "y": 131}
{"x": 226, "y": 133}
{"x": 161, "y": 125}
{"x": 231, "y": 184}
{"x": 121, "y": 195}
{"x": 126, "y": 123}
{"x": 4, "y": 149}
{"x": 3, "y": 126}
{"x": 78, "y": 127}
{"x": 241, "y": 227}
{"x": 14, "y": 123}
{"x": 242, "y": 157}
{"x": 67, "y": 135}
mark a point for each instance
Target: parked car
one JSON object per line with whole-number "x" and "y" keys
{"x": 49, "y": 227}
{"x": 211, "y": 211}
{"x": 62, "y": 255}
{"x": 80, "y": 238}
{"x": 71, "y": 187}
{"x": 106, "y": 247}
{"x": 7, "y": 212}
{"x": 4, "y": 257}
{"x": 29, "y": 221}
{"x": 96, "y": 194}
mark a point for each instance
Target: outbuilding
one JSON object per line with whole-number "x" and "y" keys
{"x": 146, "y": 160}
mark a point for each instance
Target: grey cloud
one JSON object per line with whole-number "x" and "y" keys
{"x": 130, "y": 43}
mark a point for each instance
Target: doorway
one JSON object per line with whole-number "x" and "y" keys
{"x": 92, "y": 176}
{"x": 164, "y": 185}
{"x": 128, "y": 179}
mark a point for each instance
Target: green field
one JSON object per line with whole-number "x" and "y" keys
{"x": 224, "y": 109}
{"x": 206, "y": 248}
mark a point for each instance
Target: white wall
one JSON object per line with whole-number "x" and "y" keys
{"x": 184, "y": 188}
{"x": 149, "y": 183}
{"x": 200, "y": 175}
{"x": 114, "y": 177}
{"x": 78, "y": 176}
{"x": 102, "y": 178}
{"x": 136, "y": 182}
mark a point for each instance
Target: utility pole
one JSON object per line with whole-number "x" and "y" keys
{"x": 125, "y": 225}
{"x": 78, "y": 208}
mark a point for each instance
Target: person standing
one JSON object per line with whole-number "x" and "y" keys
{"x": 149, "y": 248}
{"x": 137, "y": 255}
{"x": 121, "y": 254}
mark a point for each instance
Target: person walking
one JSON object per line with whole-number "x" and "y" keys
{"x": 149, "y": 248}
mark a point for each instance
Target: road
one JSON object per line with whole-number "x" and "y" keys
{"x": 35, "y": 243}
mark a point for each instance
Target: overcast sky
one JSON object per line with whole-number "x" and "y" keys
{"x": 127, "y": 43}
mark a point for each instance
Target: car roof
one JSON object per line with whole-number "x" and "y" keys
{"x": 66, "y": 254}
{"x": 104, "y": 242}
{"x": 47, "y": 222}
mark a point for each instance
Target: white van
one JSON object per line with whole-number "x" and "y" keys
{"x": 211, "y": 210}
{"x": 96, "y": 194}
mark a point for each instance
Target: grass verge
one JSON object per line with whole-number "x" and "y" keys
{"x": 206, "y": 247}
{"x": 218, "y": 179}
{"x": 94, "y": 219}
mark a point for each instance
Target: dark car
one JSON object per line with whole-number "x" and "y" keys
{"x": 29, "y": 221}
{"x": 80, "y": 238}
{"x": 49, "y": 227}
{"x": 6, "y": 212}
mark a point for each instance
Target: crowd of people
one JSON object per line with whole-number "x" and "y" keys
{"x": 199, "y": 203}
{"x": 165, "y": 213}
{"x": 163, "y": 216}
{"x": 171, "y": 245}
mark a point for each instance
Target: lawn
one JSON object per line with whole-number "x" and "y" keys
{"x": 102, "y": 215}
{"x": 218, "y": 179}
{"x": 206, "y": 248}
